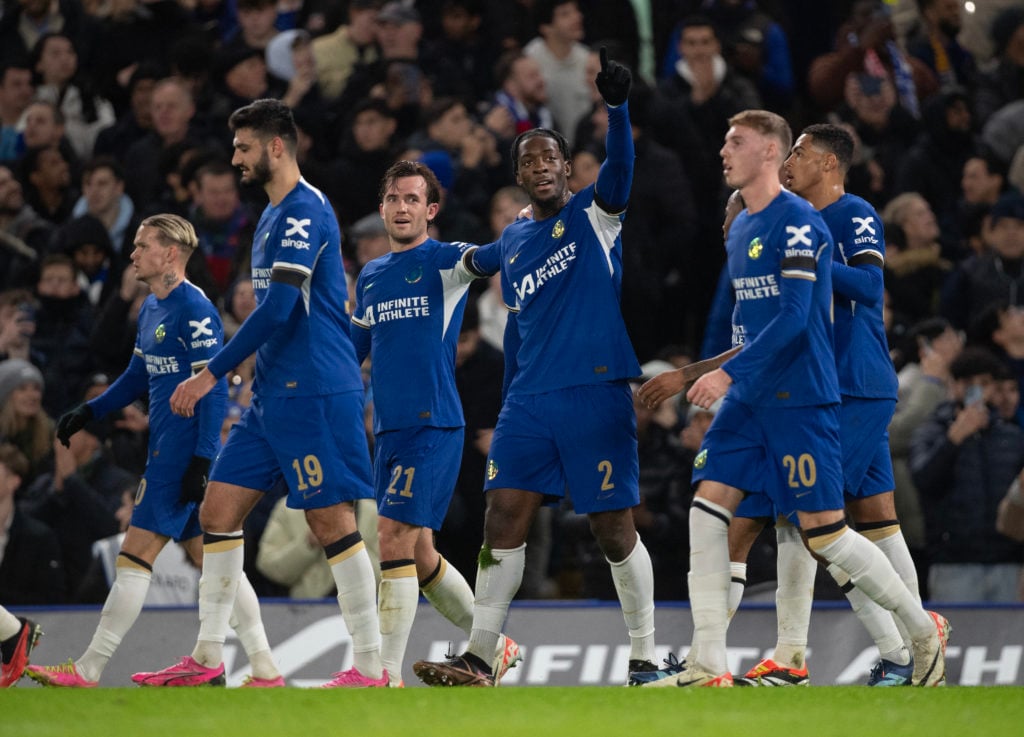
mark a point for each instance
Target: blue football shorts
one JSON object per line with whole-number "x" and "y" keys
{"x": 414, "y": 473}
{"x": 317, "y": 444}
{"x": 157, "y": 508}
{"x": 864, "y": 433}
{"x": 791, "y": 454}
{"x": 579, "y": 441}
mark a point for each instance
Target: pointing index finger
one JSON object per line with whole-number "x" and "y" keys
{"x": 604, "y": 58}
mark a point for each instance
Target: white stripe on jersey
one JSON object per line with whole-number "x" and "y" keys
{"x": 606, "y": 227}
{"x": 454, "y": 283}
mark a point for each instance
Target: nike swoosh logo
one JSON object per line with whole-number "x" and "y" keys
{"x": 310, "y": 494}
{"x": 392, "y": 503}
{"x": 512, "y": 260}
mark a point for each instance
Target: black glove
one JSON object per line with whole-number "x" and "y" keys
{"x": 193, "y": 483}
{"x": 73, "y": 421}
{"x": 613, "y": 81}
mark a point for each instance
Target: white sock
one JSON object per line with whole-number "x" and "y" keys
{"x": 497, "y": 582}
{"x": 709, "y": 583}
{"x": 877, "y": 621}
{"x": 873, "y": 574}
{"x": 793, "y": 596}
{"x": 223, "y": 556}
{"x": 894, "y": 546}
{"x": 353, "y": 575}
{"x": 247, "y": 623}
{"x": 634, "y": 583}
{"x": 737, "y": 584}
{"x": 120, "y": 610}
{"x": 9, "y": 624}
{"x": 449, "y": 593}
{"x": 399, "y": 597}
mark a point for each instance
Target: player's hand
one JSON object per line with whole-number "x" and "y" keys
{"x": 613, "y": 81}
{"x": 73, "y": 421}
{"x": 189, "y": 392}
{"x": 193, "y": 483}
{"x": 661, "y": 387}
{"x": 709, "y": 388}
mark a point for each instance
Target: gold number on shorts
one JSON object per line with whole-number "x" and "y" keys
{"x": 309, "y": 472}
{"x": 802, "y": 471}
{"x": 396, "y": 475}
{"x": 605, "y": 467}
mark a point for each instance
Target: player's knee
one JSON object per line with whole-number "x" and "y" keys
{"x": 820, "y": 537}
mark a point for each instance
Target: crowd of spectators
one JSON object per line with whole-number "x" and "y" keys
{"x": 112, "y": 110}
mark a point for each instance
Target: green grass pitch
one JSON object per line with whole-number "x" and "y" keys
{"x": 520, "y": 712}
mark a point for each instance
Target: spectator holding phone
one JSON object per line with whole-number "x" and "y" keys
{"x": 963, "y": 458}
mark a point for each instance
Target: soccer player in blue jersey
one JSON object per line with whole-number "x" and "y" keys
{"x": 408, "y": 309}
{"x": 777, "y": 432}
{"x": 816, "y": 170}
{"x": 567, "y": 425}
{"x": 179, "y": 330}
{"x": 305, "y": 423}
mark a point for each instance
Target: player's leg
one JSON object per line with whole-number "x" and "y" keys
{"x": 867, "y": 463}
{"x": 507, "y": 521}
{"x": 633, "y": 576}
{"x": 399, "y": 591}
{"x": 744, "y": 529}
{"x": 710, "y": 574}
{"x": 872, "y": 573}
{"x": 221, "y": 516}
{"x": 247, "y": 622}
{"x": 449, "y": 593}
{"x": 134, "y": 569}
{"x": 18, "y": 636}
{"x": 335, "y": 528}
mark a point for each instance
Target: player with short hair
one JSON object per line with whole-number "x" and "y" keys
{"x": 777, "y": 432}
{"x": 179, "y": 330}
{"x": 408, "y": 308}
{"x": 305, "y": 423}
{"x": 567, "y": 426}
{"x": 816, "y": 170}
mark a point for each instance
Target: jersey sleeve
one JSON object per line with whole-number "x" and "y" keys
{"x": 296, "y": 241}
{"x": 360, "y": 331}
{"x": 128, "y": 387}
{"x": 203, "y": 334}
{"x": 485, "y": 260}
{"x": 857, "y": 273}
{"x": 615, "y": 177}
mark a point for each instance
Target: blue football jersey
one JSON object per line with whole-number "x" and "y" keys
{"x": 313, "y": 353}
{"x": 562, "y": 278}
{"x": 176, "y": 337}
{"x": 411, "y": 304}
{"x": 788, "y": 357}
{"x": 862, "y": 350}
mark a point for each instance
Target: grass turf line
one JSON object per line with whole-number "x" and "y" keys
{"x": 834, "y": 711}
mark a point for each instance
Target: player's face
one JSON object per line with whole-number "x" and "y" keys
{"x": 406, "y": 212}
{"x": 743, "y": 155}
{"x": 251, "y": 157}
{"x": 150, "y": 257}
{"x": 543, "y": 172}
{"x": 803, "y": 167}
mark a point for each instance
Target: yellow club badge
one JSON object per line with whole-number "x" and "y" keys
{"x": 701, "y": 459}
{"x": 492, "y": 470}
{"x": 161, "y": 333}
{"x": 558, "y": 230}
{"x": 755, "y": 248}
